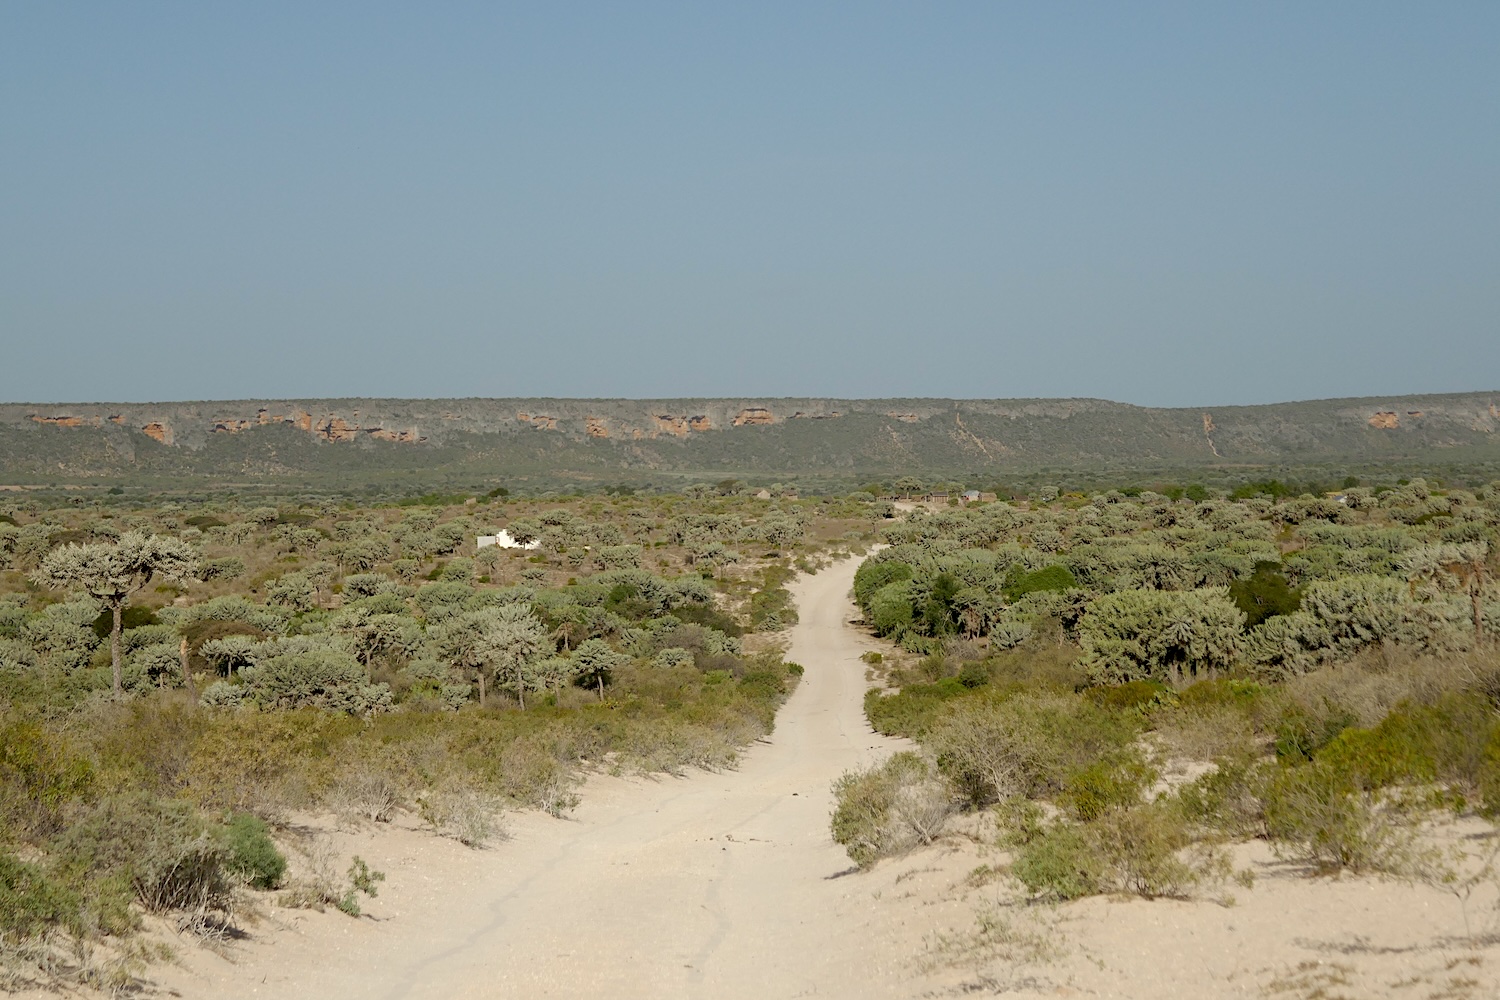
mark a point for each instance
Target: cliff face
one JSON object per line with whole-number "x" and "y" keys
{"x": 282, "y": 437}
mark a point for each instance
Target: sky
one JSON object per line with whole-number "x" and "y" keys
{"x": 1163, "y": 204}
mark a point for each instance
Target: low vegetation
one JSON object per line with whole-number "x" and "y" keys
{"x": 1130, "y": 683}
{"x": 178, "y": 682}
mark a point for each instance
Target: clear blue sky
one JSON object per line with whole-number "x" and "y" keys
{"x": 1158, "y": 203}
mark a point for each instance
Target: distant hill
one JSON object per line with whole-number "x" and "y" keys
{"x": 402, "y": 442}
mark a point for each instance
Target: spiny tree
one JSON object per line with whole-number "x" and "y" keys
{"x": 111, "y": 572}
{"x": 1463, "y": 565}
{"x": 595, "y": 661}
{"x": 511, "y": 639}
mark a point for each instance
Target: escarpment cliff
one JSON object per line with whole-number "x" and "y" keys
{"x": 294, "y": 439}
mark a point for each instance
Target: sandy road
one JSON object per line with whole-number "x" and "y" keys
{"x": 713, "y": 885}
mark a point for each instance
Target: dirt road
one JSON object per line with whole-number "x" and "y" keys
{"x": 712, "y": 885}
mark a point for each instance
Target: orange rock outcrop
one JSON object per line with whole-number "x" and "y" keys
{"x": 66, "y": 421}
{"x": 754, "y": 416}
{"x": 400, "y": 437}
{"x": 666, "y": 423}
{"x": 1385, "y": 420}
{"x": 337, "y": 429}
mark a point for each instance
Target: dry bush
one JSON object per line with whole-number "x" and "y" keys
{"x": 365, "y": 791}
{"x": 1372, "y": 683}
{"x": 464, "y": 813}
{"x": 319, "y": 884}
{"x": 1019, "y": 938}
{"x": 532, "y": 772}
{"x": 258, "y": 762}
{"x": 889, "y": 808}
{"x": 59, "y": 963}
{"x": 316, "y": 884}
{"x": 995, "y": 748}
{"x": 1316, "y": 815}
{"x": 671, "y": 746}
{"x": 1148, "y": 850}
{"x": 1207, "y": 733}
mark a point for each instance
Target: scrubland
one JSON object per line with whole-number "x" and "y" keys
{"x": 273, "y": 663}
{"x": 1221, "y": 709}
{"x": 1133, "y": 696}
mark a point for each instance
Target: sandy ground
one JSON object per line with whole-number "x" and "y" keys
{"x": 727, "y": 886}
{"x": 711, "y": 885}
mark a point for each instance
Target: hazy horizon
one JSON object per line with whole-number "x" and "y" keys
{"x": 1159, "y": 204}
{"x": 748, "y": 397}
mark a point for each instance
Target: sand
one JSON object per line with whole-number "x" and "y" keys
{"x": 726, "y": 885}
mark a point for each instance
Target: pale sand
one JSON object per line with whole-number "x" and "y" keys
{"x": 711, "y": 885}
{"x": 727, "y": 885}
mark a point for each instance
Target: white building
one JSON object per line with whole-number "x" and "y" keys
{"x": 503, "y": 539}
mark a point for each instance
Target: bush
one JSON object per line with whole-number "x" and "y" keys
{"x": 160, "y": 848}
{"x": 1317, "y": 814}
{"x": 888, "y": 808}
{"x": 318, "y": 678}
{"x": 1060, "y": 862}
{"x": 1303, "y": 730}
{"x": 252, "y": 855}
{"x": 464, "y": 813}
{"x": 1226, "y": 799}
{"x": 911, "y": 710}
{"x": 1132, "y": 695}
{"x": 994, "y": 748}
{"x": 1145, "y": 849}
{"x": 40, "y": 774}
{"x": 1049, "y": 578}
{"x": 1109, "y": 783}
{"x": 31, "y": 901}
{"x": 362, "y": 879}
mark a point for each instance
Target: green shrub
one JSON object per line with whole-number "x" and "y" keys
{"x": 131, "y": 617}
{"x": 1264, "y": 594}
{"x": 1112, "y": 782}
{"x": 160, "y": 848}
{"x": 911, "y": 710}
{"x": 873, "y": 575}
{"x": 1304, "y": 730}
{"x": 361, "y": 880}
{"x": 1397, "y": 751}
{"x": 252, "y": 855}
{"x": 1317, "y": 814}
{"x": 31, "y": 901}
{"x": 996, "y": 747}
{"x": 889, "y": 609}
{"x": 1132, "y": 695}
{"x": 1417, "y": 744}
{"x": 1146, "y": 849}
{"x": 1226, "y": 799}
{"x": 885, "y": 809}
{"x": 772, "y": 607}
{"x": 1060, "y": 862}
{"x": 1224, "y": 692}
{"x": 973, "y": 675}
{"x": 1487, "y": 781}
{"x": 1019, "y": 583}
{"x": 40, "y": 774}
